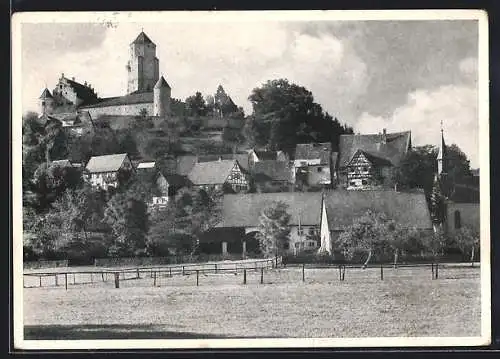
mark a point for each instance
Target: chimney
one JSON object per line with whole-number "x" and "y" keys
{"x": 62, "y": 74}
{"x": 73, "y": 78}
{"x": 384, "y": 136}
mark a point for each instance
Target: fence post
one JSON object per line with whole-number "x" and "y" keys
{"x": 303, "y": 273}
{"x": 117, "y": 279}
{"x": 138, "y": 274}
{"x": 56, "y": 280}
{"x": 215, "y": 267}
{"x": 102, "y": 276}
{"x": 432, "y": 270}
{"x": 40, "y": 279}
{"x": 91, "y": 277}
{"x": 74, "y": 279}
{"x": 437, "y": 266}
{"x": 244, "y": 276}
{"x": 343, "y": 272}
{"x": 197, "y": 276}
{"x": 154, "y": 278}
{"x": 170, "y": 271}
{"x": 276, "y": 261}
{"x": 262, "y": 275}
{"x": 66, "y": 280}
{"x": 381, "y": 272}
{"x": 182, "y": 270}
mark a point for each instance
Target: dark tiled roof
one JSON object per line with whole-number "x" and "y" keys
{"x": 266, "y": 155}
{"x": 176, "y": 180}
{"x": 393, "y": 150}
{"x": 373, "y": 159}
{"x": 46, "y": 94}
{"x": 142, "y": 38}
{"x": 271, "y": 171}
{"x": 107, "y": 163}
{"x": 243, "y": 210}
{"x": 407, "y": 209}
{"x": 211, "y": 173}
{"x": 83, "y": 92}
{"x": 311, "y": 151}
{"x": 133, "y": 98}
{"x": 161, "y": 83}
{"x": 464, "y": 194}
{"x": 185, "y": 164}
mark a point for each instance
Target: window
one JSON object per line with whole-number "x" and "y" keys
{"x": 303, "y": 163}
{"x": 352, "y": 183}
{"x": 364, "y": 182}
{"x": 297, "y": 244}
{"x": 236, "y": 176}
{"x": 286, "y": 246}
{"x": 365, "y": 169}
{"x": 458, "y": 220}
{"x": 320, "y": 169}
{"x": 43, "y": 103}
{"x": 300, "y": 231}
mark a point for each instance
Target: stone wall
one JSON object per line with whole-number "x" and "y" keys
{"x": 122, "y": 110}
{"x": 469, "y": 216}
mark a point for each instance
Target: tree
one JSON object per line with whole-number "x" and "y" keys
{"x": 195, "y": 105}
{"x": 368, "y": 234}
{"x": 285, "y": 114}
{"x": 127, "y": 218}
{"x": 434, "y": 243}
{"x": 467, "y": 240}
{"x": 223, "y": 104}
{"x": 274, "y": 229}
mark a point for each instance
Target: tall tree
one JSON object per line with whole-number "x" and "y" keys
{"x": 285, "y": 114}
{"x": 195, "y": 105}
{"x": 274, "y": 230}
{"x": 368, "y": 234}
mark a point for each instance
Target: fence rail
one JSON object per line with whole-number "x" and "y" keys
{"x": 156, "y": 273}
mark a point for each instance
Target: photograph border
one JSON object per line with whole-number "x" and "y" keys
{"x": 306, "y": 15}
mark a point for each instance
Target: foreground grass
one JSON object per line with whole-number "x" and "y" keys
{"x": 406, "y": 303}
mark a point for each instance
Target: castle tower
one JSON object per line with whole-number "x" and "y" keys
{"x": 161, "y": 98}
{"x": 46, "y": 102}
{"x": 143, "y": 66}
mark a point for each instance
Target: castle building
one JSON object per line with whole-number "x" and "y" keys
{"x": 147, "y": 93}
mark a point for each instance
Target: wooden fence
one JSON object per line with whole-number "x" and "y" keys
{"x": 74, "y": 277}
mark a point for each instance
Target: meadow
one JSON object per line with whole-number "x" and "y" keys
{"x": 407, "y": 302}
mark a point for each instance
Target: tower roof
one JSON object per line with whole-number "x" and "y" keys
{"x": 46, "y": 94}
{"x": 442, "y": 148}
{"x": 161, "y": 83}
{"x": 142, "y": 38}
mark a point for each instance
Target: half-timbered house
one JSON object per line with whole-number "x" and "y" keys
{"x": 104, "y": 171}
{"x": 218, "y": 174}
{"x": 368, "y": 161}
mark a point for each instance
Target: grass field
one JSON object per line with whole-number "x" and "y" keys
{"x": 406, "y": 303}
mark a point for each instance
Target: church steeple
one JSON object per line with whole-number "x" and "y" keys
{"x": 441, "y": 157}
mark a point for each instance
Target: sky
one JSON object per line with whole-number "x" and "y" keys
{"x": 398, "y": 75}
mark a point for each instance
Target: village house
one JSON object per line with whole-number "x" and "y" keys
{"x": 272, "y": 176}
{"x": 104, "y": 171}
{"x": 368, "y": 161}
{"x": 218, "y": 174}
{"x": 244, "y": 210}
{"x": 313, "y": 164}
{"x": 340, "y": 208}
{"x": 317, "y": 219}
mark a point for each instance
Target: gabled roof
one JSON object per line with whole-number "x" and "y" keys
{"x": 312, "y": 151}
{"x": 264, "y": 155}
{"x": 61, "y": 163}
{"x": 83, "y": 92}
{"x": 243, "y": 210}
{"x": 377, "y": 161}
{"x": 185, "y": 164}
{"x": 407, "y": 209}
{"x": 106, "y": 163}
{"x": 146, "y": 165}
{"x": 142, "y": 38}
{"x": 46, "y": 94}
{"x": 211, "y": 173}
{"x": 271, "y": 171}
{"x": 133, "y": 98}
{"x": 175, "y": 180}
{"x": 393, "y": 150}
{"x": 161, "y": 83}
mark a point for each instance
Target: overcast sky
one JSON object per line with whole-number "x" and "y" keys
{"x": 401, "y": 75}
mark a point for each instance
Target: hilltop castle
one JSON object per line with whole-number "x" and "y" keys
{"x": 147, "y": 92}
